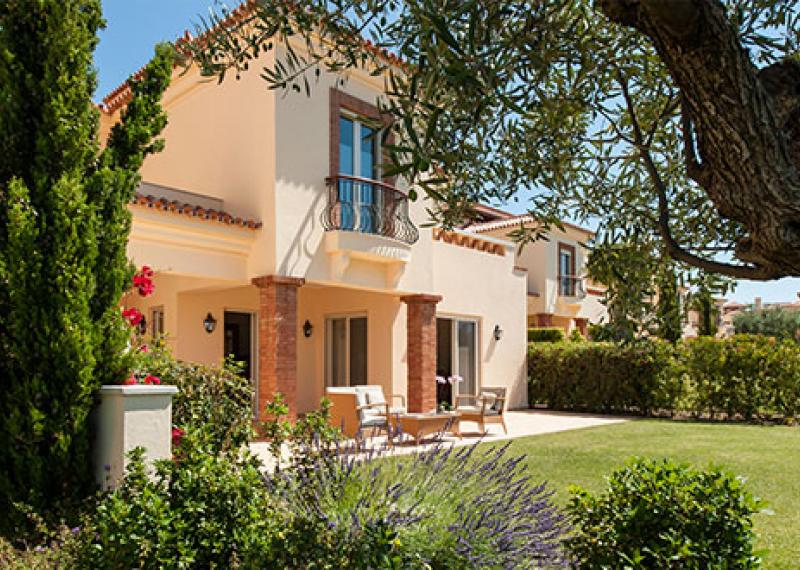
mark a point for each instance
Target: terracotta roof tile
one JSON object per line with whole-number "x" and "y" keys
{"x": 516, "y": 221}
{"x": 121, "y": 95}
{"x": 193, "y": 211}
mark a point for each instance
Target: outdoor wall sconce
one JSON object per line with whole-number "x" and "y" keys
{"x": 209, "y": 323}
{"x": 308, "y": 328}
{"x": 498, "y": 332}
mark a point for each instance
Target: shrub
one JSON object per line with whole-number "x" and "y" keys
{"x": 442, "y": 508}
{"x": 55, "y": 549}
{"x": 545, "y": 334}
{"x": 746, "y": 375}
{"x": 216, "y": 399}
{"x": 331, "y": 508}
{"x": 602, "y": 377}
{"x": 208, "y": 509}
{"x": 657, "y": 514}
{"x": 775, "y": 322}
{"x": 576, "y": 336}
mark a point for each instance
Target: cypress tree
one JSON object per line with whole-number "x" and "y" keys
{"x": 64, "y": 225}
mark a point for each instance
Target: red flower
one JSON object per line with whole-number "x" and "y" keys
{"x": 130, "y": 380}
{"x": 133, "y": 316}
{"x": 144, "y": 285}
{"x": 150, "y": 379}
{"x": 143, "y": 281}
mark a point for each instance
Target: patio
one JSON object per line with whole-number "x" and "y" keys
{"x": 520, "y": 423}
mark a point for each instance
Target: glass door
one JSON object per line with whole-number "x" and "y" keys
{"x": 467, "y": 347}
{"x": 238, "y": 344}
{"x": 346, "y": 351}
{"x": 358, "y": 157}
{"x": 457, "y": 365}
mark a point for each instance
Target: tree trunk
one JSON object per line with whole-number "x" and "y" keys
{"x": 746, "y": 122}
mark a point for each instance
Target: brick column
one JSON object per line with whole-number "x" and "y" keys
{"x": 544, "y": 319}
{"x": 582, "y": 324}
{"x": 421, "y": 355}
{"x": 277, "y": 340}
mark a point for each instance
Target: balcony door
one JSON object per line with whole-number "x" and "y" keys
{"x": 346, "y": 350}
{"x": 566, "y": 270}
{"x": 358, "y": 157}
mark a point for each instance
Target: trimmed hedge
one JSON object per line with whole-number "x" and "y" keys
{"x": 599, "y": 376}
{"x": 545, "y": 334}
{"x": 743, "y": 377}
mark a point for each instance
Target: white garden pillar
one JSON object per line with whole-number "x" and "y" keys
{"x": 131, "y": 416}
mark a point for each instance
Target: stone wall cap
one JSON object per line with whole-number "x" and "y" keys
{"x": 421, "y": 298}
{"x": 266, "y": 280}
{"x": 138, "y": 390}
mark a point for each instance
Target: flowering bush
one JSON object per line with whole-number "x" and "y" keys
{"x": 441, "y": 508}
{"x": 658, "y": 514}
{"x": 215, "y": 399}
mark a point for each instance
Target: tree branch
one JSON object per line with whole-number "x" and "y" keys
{"x": 673, "y": 248}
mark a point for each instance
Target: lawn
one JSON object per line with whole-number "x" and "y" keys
{"x": 769, "y": 457}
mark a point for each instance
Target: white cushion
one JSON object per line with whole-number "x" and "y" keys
{"x": 489, "y": 399}
{"x": 361, "y": 397}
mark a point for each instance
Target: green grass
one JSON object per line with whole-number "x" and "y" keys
{"x": 769, "y": 457}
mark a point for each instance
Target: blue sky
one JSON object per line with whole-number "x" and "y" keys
{"x": 135, "y": 26}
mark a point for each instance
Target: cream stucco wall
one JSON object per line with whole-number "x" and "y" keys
{"x": 541, "y": 260}
{"x": 488, "y": 288}
{"x": 266, "y": 156}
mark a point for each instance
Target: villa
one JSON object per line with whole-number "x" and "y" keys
{"x": 276, "y": 239}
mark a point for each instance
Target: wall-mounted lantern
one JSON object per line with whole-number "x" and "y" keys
{"x": 209, "y": 323}
{"x": 308, "y": 328}
{"x": 498, "y": 332}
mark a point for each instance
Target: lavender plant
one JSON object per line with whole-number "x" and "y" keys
{"x": 443, "y": 507}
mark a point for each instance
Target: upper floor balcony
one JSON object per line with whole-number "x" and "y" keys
{"x": 369, "y": 207}
{"x": 571, "y": 287}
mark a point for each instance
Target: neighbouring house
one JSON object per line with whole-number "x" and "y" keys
{"x": 558, "y": 292}
{"x": 276, "y": 239}
{"x": 727, "y": 311}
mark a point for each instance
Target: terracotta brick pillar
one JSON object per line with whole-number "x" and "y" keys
{"x": 582, "y": 324}
{"x": 544, "y": 319}
{"x": 277, "y": 340}
{"x": 421, "y": 355}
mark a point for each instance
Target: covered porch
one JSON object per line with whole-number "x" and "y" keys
{"x": 297, "y": 337}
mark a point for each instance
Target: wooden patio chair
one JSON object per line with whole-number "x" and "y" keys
{"x": 487, "y": 407}
{"x": 356, "y": 409}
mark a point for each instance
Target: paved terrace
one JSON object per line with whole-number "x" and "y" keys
{"x": 522, "y": 423}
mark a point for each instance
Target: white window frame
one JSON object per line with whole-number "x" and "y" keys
{"x": 358, "y": 122}
{"x": 157, "y": 310}
{"x": 328, "y": 348}
{"x": 454, "y": 320}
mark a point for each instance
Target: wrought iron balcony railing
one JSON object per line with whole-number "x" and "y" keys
{"x": 571, "y": 286}
{"x": 368, "y": 206}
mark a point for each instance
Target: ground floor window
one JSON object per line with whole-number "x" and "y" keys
{"x": 456, "y": 358}
{"x": 346, "y": 350}
{"x": 157, "y": 322}
{"x": 239, "y": 336}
